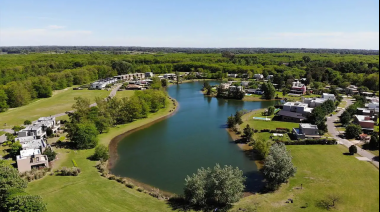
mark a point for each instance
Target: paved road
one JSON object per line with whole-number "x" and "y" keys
{"x": 335, "y": 133}
{"x": 112, "y": 94}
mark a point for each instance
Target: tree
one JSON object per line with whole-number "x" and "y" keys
{"x": 27, "y": 122}
{"x": 345, "y": 118}
{"x": 18, "y": 200}
{"x": 262, "y": 147}
{"x": 374, "y": 143}
{"x": 164, "y": 82}
{"x": 18, "y": 128}
{"x": 15, "y": 149}
{"x": 269, "y": 90}
{"x": 49, "y": 132}
{"x": 50, "y": 154}
{"x": 238, "y": 116}
{"x": 156, "y": 83}
{"x": 83, "y": 135}
{"x": 101, "y": 153}
{"x": 221, "y": 186}
{"x": 353, "y": 131}
{"x": 248, "y": 133}
{"x": 3, "y": 101}
{"x": 306, "y": 59}
{"x": 271, "y": 110}
{"x": 231, "y": 122}
{"x": 9, "y": 179}
{"x": 353, "y": 149}
{"x": 278, "y": 166}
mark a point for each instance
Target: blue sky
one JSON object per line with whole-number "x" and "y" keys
{"x": 192, "y": 23}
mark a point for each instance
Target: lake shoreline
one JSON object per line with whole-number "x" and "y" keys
{"x": 115, "y": 141}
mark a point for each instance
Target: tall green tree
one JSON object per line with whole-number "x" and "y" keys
{"x": 345, "y": 118}
{"x": 83, "y": 135}
{"x": 353, "y": 131}
{"x": 278, "y": 166}
{"x": 248, "y": 133}
{"x": 269, "y": 90}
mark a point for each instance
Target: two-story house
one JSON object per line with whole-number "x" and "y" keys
{"x": 306, "y": 131}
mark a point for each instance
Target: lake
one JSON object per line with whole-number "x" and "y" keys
{"x": 163, "y": 154}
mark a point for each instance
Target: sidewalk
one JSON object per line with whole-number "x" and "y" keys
{"x": 335, "y": 133}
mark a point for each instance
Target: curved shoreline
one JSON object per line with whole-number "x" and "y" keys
{"x": 115, "y": 141}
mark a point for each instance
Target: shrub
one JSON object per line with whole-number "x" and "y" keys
{"x": 265, "y": 130}
{"x": 74, "y": 163}
{"x": 353, "y": 150}
{"x": 27, "y": 122}
{"x": 101, "y": 153}
{"x": 50, "y": 154}
{"x": 64, "y": 171}
{"x": 313, "y": 142}
{"x": 353, "y": 131}
{"x": 140, "y": 189}
{"x": 111, "y": 177}
{"x": 129, "y": 185}
{"x": 49, "y": 132}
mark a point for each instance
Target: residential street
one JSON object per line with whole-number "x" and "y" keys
{"x": 335, "y": 133}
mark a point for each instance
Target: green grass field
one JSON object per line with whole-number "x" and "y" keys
{"x": 323, "y": 170}
{"x": 259, "y": 124}
{"x": 126, "y": 93}
{"x": 91, "y": 192}
{"x": 60, "y": 102}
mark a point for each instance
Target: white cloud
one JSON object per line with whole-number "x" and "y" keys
{"x": 55, "y": 27}
{"x": 52, "y": 36}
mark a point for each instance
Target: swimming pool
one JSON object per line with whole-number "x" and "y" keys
{"x": 260, "y": 118}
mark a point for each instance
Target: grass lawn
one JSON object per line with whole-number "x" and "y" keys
{"x": 322, "y": 170}
{"x": 91, "y": 192}
{"x": 60, "y": 102}
{"x": 126, "y": 93}
{"x": 2, "y": 133}
{"x": 259, "y": 124}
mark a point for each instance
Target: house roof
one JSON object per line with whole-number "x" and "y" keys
{"x": 362, "y": 118}
{"x": 298, "y": 104}
{"x": 309, "y": 126}
{"x": 291, "y": 114}
{"x": 27, "y": 153}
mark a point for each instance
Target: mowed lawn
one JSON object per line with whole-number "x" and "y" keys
{"x": 91, "y": 192}
{"x": 60, "y": 102}
{"x": 261, "y": 124}
{"x": 126, "y": 93}
{"x": 323, "y": 170}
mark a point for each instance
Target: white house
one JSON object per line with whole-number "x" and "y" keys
{"x": 269, "y": 77}
{"x": 101, "y": 84}
{"x": 306, "y": 131}
{"x": 31, "y": 158}
{"x": 232, "y": 75}
{"x": 328, "y": 96}
{"x": 258, "y": 76}
{"x": 297, "y": 107}
{"x": 245, "y": 83}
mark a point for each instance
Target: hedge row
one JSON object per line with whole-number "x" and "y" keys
{"x": 313, "y": 142}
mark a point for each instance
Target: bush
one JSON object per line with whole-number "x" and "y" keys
{"x": 265, "y": 130}
{"x": 27, "y": 122}
{"x": 64, "y": 171}
{"x": 353, "y": 150}
{"x": 101, "y": 153}
{"x": 50, "y": 154}
{"x": 49, "y": 132}
{"x": 313, "y": 142}
{"x": 129, "y": 185}
{"x": 74, "y": 163}
{"x": 140, "y": 189}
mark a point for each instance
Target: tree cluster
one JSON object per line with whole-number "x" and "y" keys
{"x": 318, "y": 116}
{"x": 87, "y": 122}
{"x": 217, "y": 186}
{"x": 12, "y": 193}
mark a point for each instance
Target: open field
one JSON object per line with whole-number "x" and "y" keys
{"x": 126, "y": 93}
{"x": 323, "y": 170}
{"x": 60, "y": 102}
{"x": 91, "y": 192}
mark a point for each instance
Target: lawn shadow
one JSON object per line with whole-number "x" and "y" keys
{"x": 347, "y": 154}
{"x": 180, "y": 204}
{"x": 376, "y": 158}
{"x": 64, "y": 145}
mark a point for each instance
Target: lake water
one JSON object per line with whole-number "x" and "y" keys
{"x": 163, "y": 154}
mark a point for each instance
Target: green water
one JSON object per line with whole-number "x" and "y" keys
{"x": 163, "y": 154}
